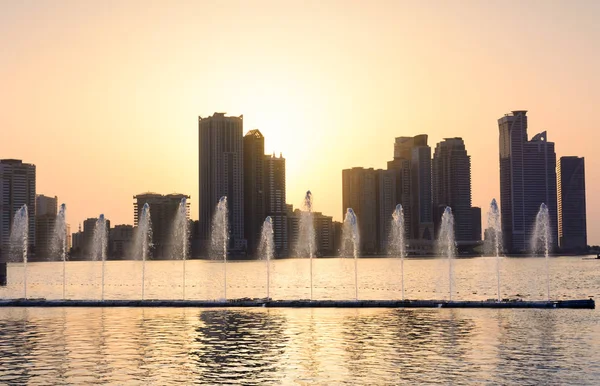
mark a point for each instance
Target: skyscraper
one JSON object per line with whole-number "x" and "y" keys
{"x": 421, "y": 203}
{"x": 386, "y": 203}
{"x": 572, "y": 223}
{"x": 527, "y": 179}
{"x": 17, "y": 188}
{"x": 45, "y": 219}
{"x": 163, "y": 210}
{"x": 275, "y": 196}
{"x": 254, "y": 190}
{"x": 451, "y": 175}
{"x": 221, "y": 153}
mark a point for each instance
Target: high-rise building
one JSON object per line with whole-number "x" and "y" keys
{"x": 386, "y": 204}
{"x": 221, "y": 151}
{"x": 421, "y": 201}
{"x": 120, "y": 241}
{"x": 275, "y": 196}
{"x": 17, "y": 188}
{"x": 572, "y": 222}
{"x": 163, "y": 210}
{"x": 451, "y": 176}
{"x": 324, "y": 231}
{"x": 46, "y": 209}
{"x": 254, "y": 190}
{"x": 359, "y": 192}
{"x": 527, "y": 179}
{"x": 86, "y": 238}
{"x": 476, "y": 223}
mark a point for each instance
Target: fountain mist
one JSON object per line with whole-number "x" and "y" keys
{"x": 18, "y": 241}
{"x": 99, "y": 245}
{"x": 351, "y": 243}
{"x": 266, "y": 248}
{"x": 542, "y": 237}
{"x": 181, "y": 236}
{"x": 397, "y": 243}
{"x": 143, "y": 241}
{"x": 220, "y": 238}
{"x": 306, "y": 246}
{"x": 58, "y": 247}
{"x": 446, "y": 244}
{"x": 493, "y": 243}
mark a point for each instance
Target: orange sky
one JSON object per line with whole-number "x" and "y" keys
{"x": 104, "y": 96}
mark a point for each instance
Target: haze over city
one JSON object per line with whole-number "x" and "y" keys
{"x": 104, "y": 97}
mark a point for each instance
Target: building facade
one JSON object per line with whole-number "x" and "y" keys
{"x": 254, "y": 190}
{"x": 275, "y": 201}
{"x": 359, "y": 192}
{"x": 451, "y": 177}
{"x": 45, "y": 219}
{"x": 221, "y": 154}
{"x": 527, "y": 179}
{"x": 572, "y": 218}
{"x": 120, "y": 241}
{"x": 17, "y": 188}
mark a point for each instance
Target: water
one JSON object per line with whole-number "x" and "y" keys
{"x": 99, "y": 246}
{"x": 18, "y": 241}
{"x": 542, "y": 237}
{"x": 266, "y": 248}
{"x": 181, "y": 238}
{"x": 446, "y": 244}
{"x": 493, "y": 243}
{"x": 351, "y": 243}
{"x": 397, "y": 242}
{"x": 220, "y": 238}
{"x": 143, "y": 241}
{"x": 306, "y": 245}
{"x": 304, "y": 346}
{"x": 58, "y": 246}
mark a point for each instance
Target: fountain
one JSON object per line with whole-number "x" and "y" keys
{"x": 18, "y": 241}
{"x": 306, "y": 235}
{"x": 266, "y": 248}
{"x": 446, "y": 244}
{"x": 181, "y": 236}
{"x": 350, "y": 236}
{"x": 99, "y": 245}
{"x": 143, "y": 241}
{"x": 220, "y": 238}
{"x": 58, "y": 248}
{"x": 493, "y": 243}
{"x": 542, "y": 238}
{"x": 397, "y": 243}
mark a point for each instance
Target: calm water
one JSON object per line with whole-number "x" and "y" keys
{"x": 303, "y": 346}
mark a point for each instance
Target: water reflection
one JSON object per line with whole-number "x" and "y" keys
{"x": 231, "y": 346}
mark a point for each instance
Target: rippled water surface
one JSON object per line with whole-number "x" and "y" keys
{"x": 303, "y": 346}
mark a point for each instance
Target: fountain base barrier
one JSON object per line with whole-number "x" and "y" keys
{"x": 303, "y": 303}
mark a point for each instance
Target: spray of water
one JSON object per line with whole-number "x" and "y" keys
{"x": 542, "y": 237}
{"x": 181, "y": 237}
{"x": 446, "y": 244}
{"x": 99, "y": 246}
{"x": 493, "y": 243}
{"x": 58, "y": 247}
{"x": 220, "y": 238}
{"x": 143, "y": 241}
{"x": 351, "y": 243}
{"x": 397, "y": 242}
{"x": 266, "y": 248}
{"x": 306, "y": 246}
{"x": 18, "y": 241}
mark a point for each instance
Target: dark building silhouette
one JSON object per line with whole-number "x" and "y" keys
{"x": 120, "y": 241}
{"x": 17, "y": 188}
{"x": 254, "y": 190}
{"x": 476, "y": 223}
{"x": 163, "y": 210}
{"x": 451, "y": 175}
{"x": 527, "y": 179}
{"x": 572, "y": 223}
{"x": 45, "y": 219}
{"x": 221, "y": 156}
{"x": 275, "y": 197}
{"x": 84, "y": 239}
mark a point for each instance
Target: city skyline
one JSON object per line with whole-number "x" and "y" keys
{"x": 143, "y": 133}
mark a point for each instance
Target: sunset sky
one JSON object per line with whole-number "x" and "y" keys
{"x": 104, "y": 96}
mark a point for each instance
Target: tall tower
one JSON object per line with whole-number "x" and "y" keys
{"x": 46, "y": 210}
{"x": 221, "y": 152}
{"x": 527, "y": 179}
{"x": 275, "y": 196}
{"x": 17, "y": 188}
{"x": 572, "y": 219}
{"x": 254, "y": 190}
{"x": 359, "y": 192}
{"x": 421, "y": 203}
{"x": 451, "y": 176}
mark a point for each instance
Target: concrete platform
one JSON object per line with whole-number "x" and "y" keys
{"x": 573, "y": 304}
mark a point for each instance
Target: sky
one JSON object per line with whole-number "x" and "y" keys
{"x": 104, "y": 96}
